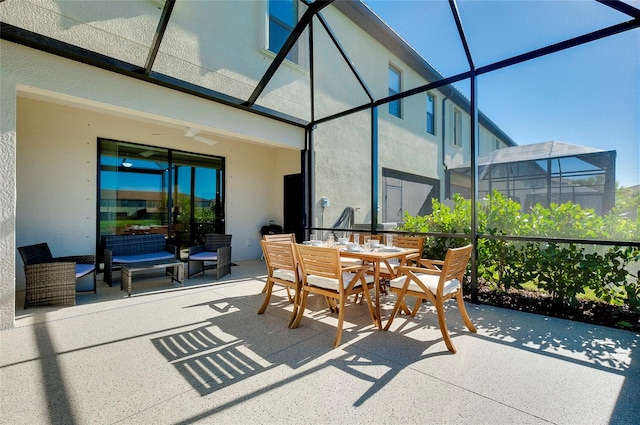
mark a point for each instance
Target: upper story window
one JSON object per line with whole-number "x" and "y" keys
{"x": 431, "y": 114}
{"x": 457, "y": 127}
{"x": 283, "y": 16}
{"x": 395, "y": 85}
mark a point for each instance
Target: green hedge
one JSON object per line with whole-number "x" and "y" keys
{"x": 564, "y": 270}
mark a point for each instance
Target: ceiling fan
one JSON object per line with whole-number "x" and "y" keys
{"x": 192, "y": 133}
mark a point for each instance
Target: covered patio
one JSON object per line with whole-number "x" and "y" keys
{"x": 201, "y": 354}
{"x": 66, "y": 84}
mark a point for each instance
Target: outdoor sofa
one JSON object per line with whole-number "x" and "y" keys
{"x": 127, "y": 249}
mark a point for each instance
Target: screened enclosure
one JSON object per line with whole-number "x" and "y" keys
{"x": 544, "y": 173}
{"x": 394, "y": 126}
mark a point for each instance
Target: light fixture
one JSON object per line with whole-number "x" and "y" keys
{"x": 127, "y": 164}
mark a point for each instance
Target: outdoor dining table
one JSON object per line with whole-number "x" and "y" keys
{"x": 377, "y": 257}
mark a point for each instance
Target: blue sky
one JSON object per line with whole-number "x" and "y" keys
{"x": 589, "y": 95}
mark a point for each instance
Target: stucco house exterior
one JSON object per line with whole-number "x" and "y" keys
{"x": 61, "y": 99}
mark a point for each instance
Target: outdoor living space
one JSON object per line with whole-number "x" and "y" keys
{"x": 201, "y": 354}
{"x": 470, "y": 126}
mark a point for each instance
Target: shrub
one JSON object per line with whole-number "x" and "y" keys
{"x": 563, "y": 270}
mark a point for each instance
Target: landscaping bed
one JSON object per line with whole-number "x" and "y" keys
{"x": 588, "y": 311}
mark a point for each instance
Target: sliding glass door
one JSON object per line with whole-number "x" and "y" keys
{"x": 145, "y": 189}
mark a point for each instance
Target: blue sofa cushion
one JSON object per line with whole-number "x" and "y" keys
{"x": 84, "y": 269}
{"x": 125, "y": 259}
{"x": 204, "y": 256}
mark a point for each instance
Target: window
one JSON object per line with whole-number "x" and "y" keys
{"x": 457, "y": 127}
{"x": 283, "y": 16}
{"x": 395, "y": 85}
{"x": 431, "y": 115}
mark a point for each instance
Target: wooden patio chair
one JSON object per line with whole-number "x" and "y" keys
{"x": 362, "y": 235}
{"x": 323, "y": 274}
{"x": 280, "y": 237}
{"x": 389, "y": 269}
{"x": 277, "y": 237}
{"x": 52, "y": 280}
{"x": 282, "y": 269}
{"x": 436, "y": 281}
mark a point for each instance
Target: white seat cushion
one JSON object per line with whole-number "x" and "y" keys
{"x": 283, "y": 274}
{"x": 385, "y": 270}
{"x": 429, "y": 280}
{"x": 330, "y": 283}
{"x": 348, "y": 262}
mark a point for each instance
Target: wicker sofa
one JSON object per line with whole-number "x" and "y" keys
{"x": 52, "y": 280}
{"x": 126, "y": 249}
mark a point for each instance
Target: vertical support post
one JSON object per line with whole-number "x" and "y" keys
{"x": 609, "y": 195}
{"x": 374, "y": 169}
{"x": 312, "y": 86}
{"x": 219, "y": 209}
{"x": 192, "y": 205}
{"x": 308, "y": 155}
{"x": 475, "y": 137}
{"x": 474, "y": 185}
{"x": 171, "y": 218}
{"x": 549, "y": 182}
{"x": 308, "y": 174}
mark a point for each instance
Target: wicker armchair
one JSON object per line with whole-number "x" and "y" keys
{"x": 216, "y": 248}
{"x": 52, "y": 280}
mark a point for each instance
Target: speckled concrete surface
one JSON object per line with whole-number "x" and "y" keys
{"x": 201, "y": 354}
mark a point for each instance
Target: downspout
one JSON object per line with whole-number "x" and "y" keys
{"x": 447, "y": 185}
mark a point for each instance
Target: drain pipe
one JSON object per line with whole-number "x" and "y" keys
{"x": 447, "y": 188}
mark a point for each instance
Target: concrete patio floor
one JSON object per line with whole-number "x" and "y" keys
{"x": 201, "y": 354}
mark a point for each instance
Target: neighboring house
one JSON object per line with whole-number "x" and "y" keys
{"x": 83, "y": 91}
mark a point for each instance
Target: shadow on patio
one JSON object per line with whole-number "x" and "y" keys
{"x": 202, "y": 354}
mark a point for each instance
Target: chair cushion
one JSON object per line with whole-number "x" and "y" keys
{"x": 331, "y": 283}
{"x": 385, "y": 270}
{"x": 283, "y": 274}
{"x": 125, "y": 259}
{"x": 204, "y": 256}
{"x": 429, "y": 280}
{"x": 348, "y": 262}
{"x": 84, "y": 269}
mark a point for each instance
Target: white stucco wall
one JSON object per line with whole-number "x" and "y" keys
{"x": 221, "y": 47}
{"x": 57, "y": 202}
{"x": 63, "y": 107}
{"x": 7, "y": 200}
